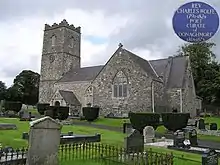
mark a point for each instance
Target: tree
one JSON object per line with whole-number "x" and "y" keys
{"x": 2, "y": 90}
{"x": 205, "y": 69}
{"x": 27, "y": 85}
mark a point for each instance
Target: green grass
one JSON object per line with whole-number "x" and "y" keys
{"x": 160, "y": 129}
{"x": 14, "y": 137}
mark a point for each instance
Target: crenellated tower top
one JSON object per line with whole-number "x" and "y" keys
{"x": 63, "y": 23}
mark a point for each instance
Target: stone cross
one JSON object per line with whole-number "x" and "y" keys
{"x": 149, "y": 134}
{"x": 120, "y": 45}
{"x": 44, "y": 141}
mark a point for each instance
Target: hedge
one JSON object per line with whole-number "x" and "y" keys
{"x": 90, "y": 113}
{"x": 63, "y": 113}
{"x": 12, "y": 106}
{"x": 140, "y": 120}
{"x": 42, "y": 107}
{"x": 175, "y": 121}
{"x": 58, "y": 112}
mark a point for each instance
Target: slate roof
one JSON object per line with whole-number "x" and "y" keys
{"x": 153, "y": 67}
{"x": 69, "y": 97}
{"x": 144, "y": 64}
{"x": 81, "y": 74}
{"x": 177, "y": 71}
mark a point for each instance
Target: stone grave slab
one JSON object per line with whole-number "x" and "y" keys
{"x": 8, "y": 126}
{"x": 149, "y": 134}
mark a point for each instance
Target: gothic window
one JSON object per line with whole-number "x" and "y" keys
{"x": 53, "y": 40}
{"x": 120, "y": 85}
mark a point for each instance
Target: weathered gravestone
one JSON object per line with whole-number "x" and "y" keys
{"x": 213, "y": 126}
{"x": 44, "y": 141}
{"x": 25, "y": 136}
{"x": 134, "y": 142}
{"x": 179, "y": 138}
{"x": 210, "y": 157}
{"x": 149, "y": 134}
{"x": 201, "y": 124}
{"x": 193, "y": 137}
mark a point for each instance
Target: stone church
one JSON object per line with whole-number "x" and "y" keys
{"x": 125, "y": 83}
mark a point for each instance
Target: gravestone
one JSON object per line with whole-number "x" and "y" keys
{"x": 25, "y": 136}
{"x": 25, "y": 116}
{"x": 193, "y": 138}
{"x": 8, "y": 126}
{"x": 213, "y": 126}
{"x": 201, "y": 124}
{"x": 134, "y": 142}
{"x": 44, "y": 141}
{"x": 210, "y": 157}
{"x": 179, "y": 138}
{"x": 149, "y": 134}
{"x": 70, "y": 133}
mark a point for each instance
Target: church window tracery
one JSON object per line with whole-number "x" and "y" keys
{"x": 120, "y": 85}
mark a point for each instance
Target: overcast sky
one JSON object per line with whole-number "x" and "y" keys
{"x": 142, "y": 26}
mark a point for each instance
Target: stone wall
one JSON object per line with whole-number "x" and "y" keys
{"x": 188, "y": 94}
{"x": 61, "y": 52}
{"x": 139, "y": 86}
{"x": 78, "y": 88}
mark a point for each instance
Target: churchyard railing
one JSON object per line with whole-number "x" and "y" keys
{"x": 111, "y": 154}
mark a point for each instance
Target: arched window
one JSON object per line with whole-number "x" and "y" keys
{"x": 53, "y": 40}
{"x": 71, "y": 42}
{"x": 120, "y": 85}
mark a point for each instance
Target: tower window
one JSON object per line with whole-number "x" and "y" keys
{"x": 71, "y": 42}
{"x": 53, "y": 39}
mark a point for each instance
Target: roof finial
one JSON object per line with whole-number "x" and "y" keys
{"x": 120, "y": 45}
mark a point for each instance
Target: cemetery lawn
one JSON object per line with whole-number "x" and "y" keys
{"x": 14, "y": 139}
{"x": 160, "y": 129}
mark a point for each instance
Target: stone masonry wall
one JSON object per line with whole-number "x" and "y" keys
{"x": 188, "y": 94}
{"x": 59, "y": 57}
{"x": 78, "y": 88}
{"x": 139, "y": 87}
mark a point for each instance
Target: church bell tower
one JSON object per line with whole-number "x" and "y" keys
{"x": 61, "y": 52}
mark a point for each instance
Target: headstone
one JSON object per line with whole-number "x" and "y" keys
{"x": 179, "y": 138}
{"x": 213, "y": 126}
{"x": 196, "y": 26}
{"x": 149, "y": 134}
{"x": 44, "y": 141}
{"x": 70, "y": 133}
{"x": 210, "y": 157}
{"x": 193, "y": 138}
{"x": 134, "y": 142}
{"x": 201, "y": 124}
{"x": 25, "y": 136}
{"x": 25, "y": 116}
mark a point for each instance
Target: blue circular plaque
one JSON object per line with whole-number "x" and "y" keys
{"x": 195, "y": 22}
